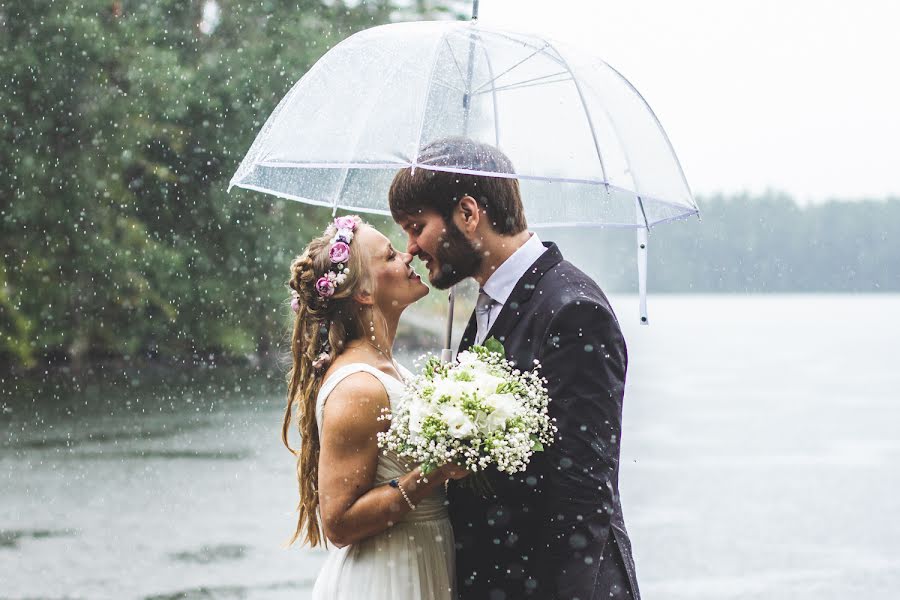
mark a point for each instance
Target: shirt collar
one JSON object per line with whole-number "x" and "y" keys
{"x": 504, "y": 279}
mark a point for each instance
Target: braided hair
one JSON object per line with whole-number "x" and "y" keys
{"x": 322, "y": 328}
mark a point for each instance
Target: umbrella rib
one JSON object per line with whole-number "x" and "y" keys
{"x": 467, "y": 97}
{"x": 456, "y": 62}
{"x": 663, "y": 133}
{"x": 487, "y": 60}
{"x": 368, "y": 115}
{"x": 434, "y": 57}
{"x": 531, "y": 82}
{"x": 527, "y": 58}
{"x": 449, "y": 86}
{"x": 587, "y": 113}
{"x": 557, "y": 59}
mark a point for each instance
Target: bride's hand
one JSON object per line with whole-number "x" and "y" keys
{"x": 454, "y": 471}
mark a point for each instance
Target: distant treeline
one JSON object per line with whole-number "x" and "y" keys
{"x": 755, "y": 244}
{"x": 121, "y": 123}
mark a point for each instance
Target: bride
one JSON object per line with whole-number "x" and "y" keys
{"x": 388, "y": 524}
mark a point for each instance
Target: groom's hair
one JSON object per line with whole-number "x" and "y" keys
{"x": 420, "y": 189}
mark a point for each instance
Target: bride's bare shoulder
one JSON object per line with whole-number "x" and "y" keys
{"x": 356, "y": 403}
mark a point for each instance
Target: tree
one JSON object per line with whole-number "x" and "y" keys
{"x": 122, "y": 121}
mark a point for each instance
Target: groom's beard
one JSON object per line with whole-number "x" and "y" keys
{"x": 458, "y": 260}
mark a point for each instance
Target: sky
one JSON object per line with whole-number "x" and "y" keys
{"x": 797, "y": 96}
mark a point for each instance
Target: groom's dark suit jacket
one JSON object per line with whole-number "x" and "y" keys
{"x": 555, "y": 531}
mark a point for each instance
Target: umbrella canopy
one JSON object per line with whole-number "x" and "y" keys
{"x": 585, "y": 146}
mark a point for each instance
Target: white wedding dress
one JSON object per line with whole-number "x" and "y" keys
{"x": 412, "y": 560}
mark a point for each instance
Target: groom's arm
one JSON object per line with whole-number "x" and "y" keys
{"x": 584, "y": 360}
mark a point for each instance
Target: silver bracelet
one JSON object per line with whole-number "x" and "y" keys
{"x": 396, "y": 483}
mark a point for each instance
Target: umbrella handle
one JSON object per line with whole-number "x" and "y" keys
{"x": 642, "y": 238}
{"x": 447, "y": 352}
{"x": 643, "y": 234}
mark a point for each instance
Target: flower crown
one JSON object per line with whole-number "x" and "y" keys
{"x": 342, "y": 229}
{"x": 339, "y": 253}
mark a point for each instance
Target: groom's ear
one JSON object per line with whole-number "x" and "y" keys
{"x": 469, "y": 214}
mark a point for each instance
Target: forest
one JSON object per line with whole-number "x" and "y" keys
{"x": 122, "y": 122}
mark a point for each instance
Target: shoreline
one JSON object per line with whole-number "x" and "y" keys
{"x": 412, "y": 340}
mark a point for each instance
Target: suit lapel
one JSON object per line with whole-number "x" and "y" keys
{"x": 515, "y": 305}
{"x": 468, "y": 338}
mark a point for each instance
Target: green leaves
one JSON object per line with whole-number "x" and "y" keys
{"x": 119, "y": 130}
{"x": 494, "y": 346}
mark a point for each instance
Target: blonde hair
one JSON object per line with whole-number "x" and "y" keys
{"x": 337, "y": 319}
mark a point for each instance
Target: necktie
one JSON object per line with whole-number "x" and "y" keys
{"x": 483, "y": 315}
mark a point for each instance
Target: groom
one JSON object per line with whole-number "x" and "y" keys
{"x": 556, "y": 530}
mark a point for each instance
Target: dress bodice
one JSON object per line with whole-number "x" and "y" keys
{"x": 390, "y": 465}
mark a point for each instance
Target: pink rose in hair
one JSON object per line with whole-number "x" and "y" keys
{"x": 325, "y": 287}
{"x": 339, "y": 252}
{"x": 295, "y": 304}
{"x": 322, "y": 361}
{"x": 345, "y": 223}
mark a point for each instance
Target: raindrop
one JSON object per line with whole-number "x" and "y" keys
{"x": 578, "y": 541}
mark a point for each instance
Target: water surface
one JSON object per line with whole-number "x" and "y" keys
{"x": 760, "y": 461}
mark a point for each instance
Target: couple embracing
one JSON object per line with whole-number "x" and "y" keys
{"x": 554, "y": 531}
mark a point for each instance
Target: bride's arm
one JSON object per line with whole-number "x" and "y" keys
{"x": 352, "y": 509}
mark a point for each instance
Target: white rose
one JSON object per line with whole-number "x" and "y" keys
{"x": 494, "y": 421}
{"x": 481, "y": 421}
{"x": 417, "y": 414}
{"x": 462, "y": 373}
{"x": 480, "y": 368}
{"x": 487, "y": 384}
{"x": 505, "y": 407}
{"x": 465, "y": 357}
{"x": 451, "y": 388}
{"x": 459, "y": 424}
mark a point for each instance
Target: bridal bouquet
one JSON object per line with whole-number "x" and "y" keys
{"x": 477, "y": 412}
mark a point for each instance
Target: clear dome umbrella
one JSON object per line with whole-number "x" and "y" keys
{"x": 585, "y": 146}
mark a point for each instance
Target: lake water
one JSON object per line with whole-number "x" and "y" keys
{"x": 760, "y": 461}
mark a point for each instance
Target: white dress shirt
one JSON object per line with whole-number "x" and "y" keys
{"x": 504, "y": 279}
